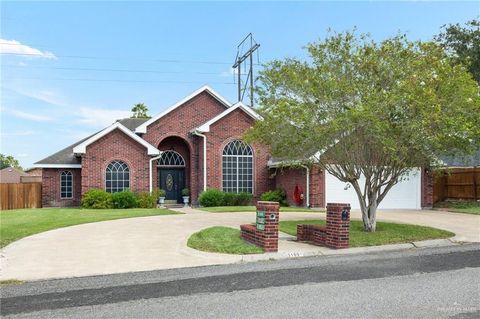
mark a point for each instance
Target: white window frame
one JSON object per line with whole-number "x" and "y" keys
{"x": 123, "y": 180}
{"x": 239, "y": 189}
{"x": 67, "y": 173}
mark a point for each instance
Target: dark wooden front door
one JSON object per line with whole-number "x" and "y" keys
{"x": 172, "y": 181}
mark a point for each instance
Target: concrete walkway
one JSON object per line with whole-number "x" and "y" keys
{"x": 159, "y": 242}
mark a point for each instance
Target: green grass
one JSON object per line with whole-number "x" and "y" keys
{"x": 19, "y": 223}
{"x": 466, "y": 207}
{"x": 9, "y": 282}
{"x": 220, "y": 239}
{"x": 386, "y": 233}
{"x": 235, "y": 209}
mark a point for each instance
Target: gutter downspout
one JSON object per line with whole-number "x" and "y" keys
{"x": 150, "y": 179}
{"x": 195, "y": 132}
{"x": 308, "y": 185}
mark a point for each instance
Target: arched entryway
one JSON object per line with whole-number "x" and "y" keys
{"x": 173, "y": 168}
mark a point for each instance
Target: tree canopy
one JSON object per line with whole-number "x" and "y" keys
{"x": 364, "y": 109}
{"x": 9, "y": 161}
{"x": 463, "y": 45}
{"x": 140, "y": 110}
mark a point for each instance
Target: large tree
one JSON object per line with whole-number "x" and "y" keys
{"x": 9, "y": 161}
{"x": 462, "y": 43}
{"x": 140, "y": 110}
{"x": 368, "y": 112}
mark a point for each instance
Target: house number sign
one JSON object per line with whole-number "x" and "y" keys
{"x": 260, "y": 220}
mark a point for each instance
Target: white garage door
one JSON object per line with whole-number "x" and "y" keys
{"x": 404, "y": 195}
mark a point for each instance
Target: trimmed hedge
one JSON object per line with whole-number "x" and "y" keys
{"x": 214, "y": 197}
{"x": 100, "y": 199}
{"x": 124, "y": 199}
{"x": 277, "y": 195}
{"x": 97, "y": 198}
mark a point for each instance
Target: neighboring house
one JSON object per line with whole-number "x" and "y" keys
{"x": 11, "y": 175}
{"x": 195, "y": 144}
{"x": 34, "y": 171}
{"x": 461, "y": 161}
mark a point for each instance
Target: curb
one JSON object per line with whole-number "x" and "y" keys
{"x": 357, "y": 250}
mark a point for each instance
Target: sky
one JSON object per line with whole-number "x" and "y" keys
{"x": 69, "y": 69}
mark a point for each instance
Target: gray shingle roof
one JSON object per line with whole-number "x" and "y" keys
{"x": 66, "y": 156}
{"x": 462, "y": 161}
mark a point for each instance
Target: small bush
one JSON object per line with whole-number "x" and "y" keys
{"x": 244, "y": 199}
{"x": 211, "y": 197}
{"x": 97, "y": 199}
{"x": 229, "y": 199}
{"x": 124, "y": 199}
{"x": 277, "y": 195}
{"x": 185, "y": 192}
{"x": 147, "y": 200}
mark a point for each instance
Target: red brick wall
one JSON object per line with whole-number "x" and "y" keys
{"x": 288, "y": 178}
{"x": 227, "y": 129}
{"x": 51, "y": 187}
{"x": 115, "y": 146}
{"x": 180, "y": 122}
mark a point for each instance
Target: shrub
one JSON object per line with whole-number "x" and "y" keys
{"x": 185, "y": 192}
{"x": 244, "y": 199}
{"x": 277, "y": 195}
{"x": 211, "y": 197}
{"x": 160, "y": 192}
{"x": 147, "y": 200}
{"x": 124, "y": 199}
{"x": 229, "y": 199}
{"x": 97, "y": 198}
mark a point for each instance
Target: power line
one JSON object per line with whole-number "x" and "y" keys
{"x": 111, "y": 70}
{"x": 121, "y": 58}
{"x": 117, "y": 80}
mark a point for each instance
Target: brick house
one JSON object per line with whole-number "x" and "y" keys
{"x": 194, "y": 144}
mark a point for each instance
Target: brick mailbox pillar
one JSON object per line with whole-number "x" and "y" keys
{"x": 264, "y": 233}
{"x": 335, "y": 234}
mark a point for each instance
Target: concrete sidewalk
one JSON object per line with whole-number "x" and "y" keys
{"x": 159, "y": 242}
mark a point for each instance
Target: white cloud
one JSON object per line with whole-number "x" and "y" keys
{"x": 28, "y": 116}
{"x": 15, "y": 47}
{"x": 44, "y": 95}
{"x": 99, "y": 117}
{"x": 21, "y": 155}
{"x": 230, "y": 72}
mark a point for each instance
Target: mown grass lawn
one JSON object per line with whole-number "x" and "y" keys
{"x": 466, "y": 207}
{"x": 220, "y": 239}
{"x": 235, "y": 209}
{"x": 19, "y": 223}
{"x": 386, "y": 233}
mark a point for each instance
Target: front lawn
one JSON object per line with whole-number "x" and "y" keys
{"x": 386, "y": 233}
{"x": 220, "y": 239}
{"x": 19, "y": 223}
{"x": 236, "y": 209}
{"x": 467, "y": 207}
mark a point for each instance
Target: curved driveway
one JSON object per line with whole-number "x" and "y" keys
{"x": 159, "y": 242}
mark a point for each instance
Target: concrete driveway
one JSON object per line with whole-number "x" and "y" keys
{"x": 159, "y": 242}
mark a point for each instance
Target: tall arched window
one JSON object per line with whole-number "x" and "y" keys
{"x": 117, "y": 177}
{"x": 66, "y": 185}
{"x": 237, "y": 167}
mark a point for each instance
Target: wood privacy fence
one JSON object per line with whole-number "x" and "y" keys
{"x": 456, "y": 183}
{"x": 20, "y": 195}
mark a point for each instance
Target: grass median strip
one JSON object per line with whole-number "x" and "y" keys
{"x": 19, "y": 223}
{"x": 466, "y": 207}
{"x": 386, "y": 233}
{"x": 238, "y": 209}
{"x": 220, "y": 239}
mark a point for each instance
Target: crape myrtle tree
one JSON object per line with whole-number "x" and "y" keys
{"x": 368, "y": 112}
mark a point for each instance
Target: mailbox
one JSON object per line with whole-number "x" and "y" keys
{"x": 345, "y": 214}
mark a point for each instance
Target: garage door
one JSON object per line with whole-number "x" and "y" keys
{"x": 404, "y": 195}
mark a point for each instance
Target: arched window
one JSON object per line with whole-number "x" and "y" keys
{"x": 237, "y": 167}
{"x": 117, "y": 177}
{"x": 170, "y": 158}
{"x": 66, "y": 185}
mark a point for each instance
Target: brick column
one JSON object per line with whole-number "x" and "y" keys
{"x": 338, "y": 225}
{"x": 264, "y": 232}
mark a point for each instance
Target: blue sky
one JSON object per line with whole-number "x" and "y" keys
{"x": 89, "y": 62}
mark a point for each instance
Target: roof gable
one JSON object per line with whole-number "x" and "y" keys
{"x": 143, "y": 127}
{"x": 248, "y": 110}
{"x": 82, "y": 147}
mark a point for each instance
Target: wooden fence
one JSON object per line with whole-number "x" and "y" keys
{"x": 20, "y": 195}
{"x": 456, "y": 183}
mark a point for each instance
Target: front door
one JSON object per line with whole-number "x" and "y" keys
{"x": 172, "y": 181}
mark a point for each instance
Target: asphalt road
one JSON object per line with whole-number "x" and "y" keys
{"x": 418, "y": 283}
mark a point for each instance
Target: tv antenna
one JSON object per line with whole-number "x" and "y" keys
{"x": 242, "y": 55}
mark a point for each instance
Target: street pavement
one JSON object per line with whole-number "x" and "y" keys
{"x": 160, "y": 242}
{"x": 440, "y": 282}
